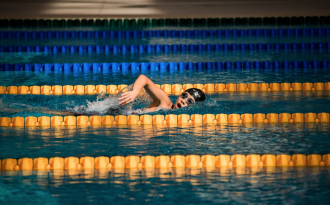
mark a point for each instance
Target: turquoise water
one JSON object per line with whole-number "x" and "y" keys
{"x": 29, "y": 78}
{"x": 209, "y": 56}
{"x": 199, "y": 186}
{"x": 160, "y": 41}
{"x": 297, "y": 186}
{"x": 169, "y": 186}
{"x": 147, "y": 140}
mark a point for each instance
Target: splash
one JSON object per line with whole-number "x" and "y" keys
{"x": 102, "y": 105}
{"x": 109, "y": 104}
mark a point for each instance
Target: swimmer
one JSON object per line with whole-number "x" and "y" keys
{"x": 159, "y": 98}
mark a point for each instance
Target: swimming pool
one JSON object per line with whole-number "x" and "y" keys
{"x": 262, "y": 135}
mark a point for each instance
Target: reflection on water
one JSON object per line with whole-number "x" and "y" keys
{"x": 185, "y": 56}
{"x": 161, "y": 41}
{"x": 145, "y": 140}
{"x": 202, "y": 76}
{"x": 189, "y": 186}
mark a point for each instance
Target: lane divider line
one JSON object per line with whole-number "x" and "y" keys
{"x": 182, "y": 22}
{"x": 125, "y": 49}
{"x": 236, "y": 33}
{"x": 171, "y": 89}
{"x": 165, "y": 120}
{"x": 162, "y": 66}
{"x": 163, "y": 162}
{"x": 134, "y": 67}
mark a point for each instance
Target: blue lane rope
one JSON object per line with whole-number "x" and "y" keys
{"x": 163, "y": 66}
{"x": 274, "y": 33}
{"x": 124, "y": 49}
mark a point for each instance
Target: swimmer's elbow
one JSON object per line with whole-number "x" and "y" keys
{"x": 143, "y": 76}
{"x": 145, "y": 79}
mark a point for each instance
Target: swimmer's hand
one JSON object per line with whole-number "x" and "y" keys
{"x": 128, "y": 97}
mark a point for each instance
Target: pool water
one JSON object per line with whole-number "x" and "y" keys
{"x": 301, "y": 186}
{"x": 267, "y": 185}
{"x": 184, "y": 140}
{"x": 161, "y": 41}
{"x": 194, "y": 76}
{"x": 228, "y": 103}
{"x": 187, "y": 186}
{"x": 209, "y": 56}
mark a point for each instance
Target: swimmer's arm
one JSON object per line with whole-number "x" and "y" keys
{"x": 159, "y": 97}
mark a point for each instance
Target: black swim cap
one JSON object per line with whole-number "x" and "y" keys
{"x": 197, "y": 94}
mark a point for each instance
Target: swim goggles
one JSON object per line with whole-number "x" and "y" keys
{"x": 189, "y": 100}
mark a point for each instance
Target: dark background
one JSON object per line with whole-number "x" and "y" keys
{"x": 160, "y": 8}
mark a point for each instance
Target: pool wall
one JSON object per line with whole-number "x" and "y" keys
{"x": 160, "y": 9}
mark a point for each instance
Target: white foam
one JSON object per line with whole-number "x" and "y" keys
{"x": 103, "y": 103}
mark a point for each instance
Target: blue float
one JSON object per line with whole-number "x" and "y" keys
{"x": 143, "y": 67}
{"x": 105, "y": 68}
{"x": 58, "y": 68}
{"x": 86, "y": 67}
{"x": 76, "y": 67}
{"x": 171, "y": 66}
{"x": 190, "y": 66}
{"x": 199, "y": 66}
{"x": 163, "y": 66}
{"x": 114, "y": 67}
{"x": 182, "y": 66}
{"x": 47, "y": 67}
{"x": 281, "y": 32}
{"x": 218, "y": 65}
{"x": 286, "y": 64}
{"x": 124, "y": 67}
{"x": 247, "y": 65}
{"x": 133, "y": 67}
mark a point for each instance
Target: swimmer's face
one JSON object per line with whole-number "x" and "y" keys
{"x": 184, "y": 100}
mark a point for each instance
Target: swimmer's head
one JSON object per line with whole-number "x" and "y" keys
{"x": 189, "y": 97}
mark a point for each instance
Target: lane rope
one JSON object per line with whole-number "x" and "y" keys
{"x": 182, "y": 22}
{"x": 165, "y": 162}
{"x": 106, "y": 68}
{"x": 131, "y": 49}
{"x": 165, "y": 120}
{"x": 171, "y": 89}
{"x": 125, "y": 35}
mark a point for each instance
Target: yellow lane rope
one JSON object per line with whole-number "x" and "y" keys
{"x": 174, "y": 89}
{"x": 170, "y": 120}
